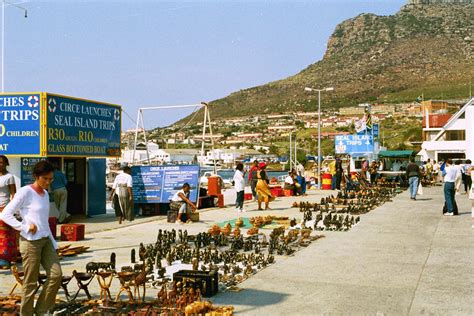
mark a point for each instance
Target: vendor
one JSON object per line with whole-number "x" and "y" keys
{"x": 291, "y": 183}
{"x": 180, "y": 202}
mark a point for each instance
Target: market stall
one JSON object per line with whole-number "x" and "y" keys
{"x": 76, "y": 134}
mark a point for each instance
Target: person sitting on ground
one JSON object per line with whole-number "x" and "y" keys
{"x": 181, "y": 203}
{"x": 302, "y": 182}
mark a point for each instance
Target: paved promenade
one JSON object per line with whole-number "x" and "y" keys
{"x": 404, "y": 258}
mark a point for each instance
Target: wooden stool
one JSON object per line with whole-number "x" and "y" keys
{"x": 105, "y": 284}
{"x": 64, "y": 282}
{"x": 18, "y": 277}
{"x": 127, "y": 281}
{"x": 83, "y": 280}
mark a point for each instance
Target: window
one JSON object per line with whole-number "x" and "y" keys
{"x": 456, "y": 135}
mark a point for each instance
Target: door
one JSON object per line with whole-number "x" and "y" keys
{"x": 96, "y": 187}
{"x": 75, "y": 170}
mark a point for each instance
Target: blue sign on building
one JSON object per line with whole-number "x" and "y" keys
{"x": 350, "y": 144}
{"x": 20, "y": 124}
{"x": 27, "y": 165}
{"x": 77, "y": 127}
{"x": 158, "y": 184}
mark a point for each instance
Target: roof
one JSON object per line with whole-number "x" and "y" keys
{"x": 396, "y": 153}
{"x": 453, "y": 119}
{"x": 436, "y": 120}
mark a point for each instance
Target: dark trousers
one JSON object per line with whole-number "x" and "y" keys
{"x": 373, "y": 178}
{"x": 253, "y": 185}
{"x": 449, "y": 193}
{"x": 239, "y": 202}
{"x": 467, "y": 182}
{"x": 338, "y": 180}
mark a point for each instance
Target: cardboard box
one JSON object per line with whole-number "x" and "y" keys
{"x": 72, "y": 232}
{"x": 288, "y": 192}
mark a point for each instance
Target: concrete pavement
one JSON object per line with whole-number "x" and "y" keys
{"x": 404, "y": 258}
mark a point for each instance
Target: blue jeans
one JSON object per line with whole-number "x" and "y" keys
{"x": 413, "y": 182}
{"x": 449, "y": 196}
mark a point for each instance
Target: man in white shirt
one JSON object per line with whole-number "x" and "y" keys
{"x": 122, "y": 197}
{"x": 239, "y": 183}
{"x": 451, "y": 174}
{"x": 180, "y": 202}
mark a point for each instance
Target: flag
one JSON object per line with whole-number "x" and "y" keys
{"x": 419, "y": 98}
{"x": 368, "y": 121}
{"x": 360, "y": 126}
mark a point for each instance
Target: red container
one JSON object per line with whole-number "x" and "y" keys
{"x": 72, "y": 232}
{"x": 288, "y": 192}
{"x": 277, "y": 191}
{"x": 213, "y": 186}
{"x": 8, "y": 242}
{"x": 326, "y": 181}
{"x": 248, "y": 197}
{"x": 53, "y": 223}
{"x": 220, "y": 200}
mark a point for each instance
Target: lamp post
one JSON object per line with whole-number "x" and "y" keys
{"x": 319, "y": 126}
{"x": 3, "y": 36}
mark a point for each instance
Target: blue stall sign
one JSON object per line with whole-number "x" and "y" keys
{"x": 27, "y": 165}
{"x": 158, "y": 184}
{"x": 20, "y": 124}
{"x": 77, "y": 127}
{"x": 349, "y": 144}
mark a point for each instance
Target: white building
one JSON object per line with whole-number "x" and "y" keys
{"x": 455, "y": 139}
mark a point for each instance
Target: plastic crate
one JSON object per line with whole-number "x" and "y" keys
{"x": 206, "y": 281}
{"x": 248, "y": 196}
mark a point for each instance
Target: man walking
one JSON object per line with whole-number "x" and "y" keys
{"x": 253, "y": 178}
{"x": 451, "y": 174}
{"x": 58, "y": 188}
{"x": 413, "y": 175}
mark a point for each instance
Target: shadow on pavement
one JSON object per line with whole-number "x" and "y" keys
{"x": 251, "y": 297}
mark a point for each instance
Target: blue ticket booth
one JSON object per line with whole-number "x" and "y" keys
{"x": 77, "y": 134}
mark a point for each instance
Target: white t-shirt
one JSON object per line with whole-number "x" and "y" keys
{"x": 289, "y": 180}
{"x": 452, "y": 173}
{"x": 34, "y": 209}
{"x": 122, "y": 178}
{"x": 177, "y": 198}
{"x": 5, "y": 181}
{"x": 239, "y": 181}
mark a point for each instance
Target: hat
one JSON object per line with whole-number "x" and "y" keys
{"x": 262, "y": 165}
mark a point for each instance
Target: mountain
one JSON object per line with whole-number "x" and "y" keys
{"x": 424, "y": 48}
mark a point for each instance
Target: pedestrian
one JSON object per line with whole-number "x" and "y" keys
{"x": 363, "y": 170}
{"x": 239, "y": 183}
{"x": 373, "y": 169}
{"x": 413, "y": 175}
{"x": 37, "y": 245}
{"x": 339, "y": 173}
{"x": 59, "y": 191}
{"x": 466, "y": 176}
{"x": 332, "y": 171}
{"x": 7, "y": 192}
{"x": 471, "y": 192}
{"x": 435, "y": 174}
{"x": 263, "y": 190}
{"x": 122, "y": 197}
{"x": 290, "y": 183}
{"x": 300, "y": 179}
{"x": 451, "y": 175}
{"x": 181, "y": 203}
{"x": 428, "y": 170}
{"x": 457, "y": 184}
{"x": 252, "y": 179}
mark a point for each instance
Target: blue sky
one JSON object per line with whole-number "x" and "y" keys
{"x": 149, "y": 53}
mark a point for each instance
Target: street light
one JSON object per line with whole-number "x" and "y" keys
{"x": 319, "y": 126}
{"x": 3, "y": 36}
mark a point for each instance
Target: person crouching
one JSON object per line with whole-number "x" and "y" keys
{"x": 180, "y": 202}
